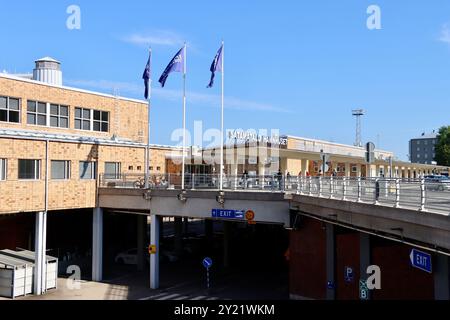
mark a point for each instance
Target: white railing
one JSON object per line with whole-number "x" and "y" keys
{"x": 418, "y": 194}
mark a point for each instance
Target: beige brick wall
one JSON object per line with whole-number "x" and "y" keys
{"x": 29, "y": 196}
{"x": 132, "y": 116}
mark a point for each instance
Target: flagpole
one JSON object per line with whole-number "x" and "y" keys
{"x": 222, "y": 118}
{"x": 184, "y": 118}
{"x": 147, "y": 149}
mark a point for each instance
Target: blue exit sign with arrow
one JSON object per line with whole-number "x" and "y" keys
{"x": 421, "y": 260}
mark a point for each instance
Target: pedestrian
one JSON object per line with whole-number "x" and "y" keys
{"x": 280, "y": 179}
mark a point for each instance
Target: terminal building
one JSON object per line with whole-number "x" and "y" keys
{"x": 57, "y": 142}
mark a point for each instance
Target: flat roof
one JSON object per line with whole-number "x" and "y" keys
{"x": 25, "y": 255}
{"x": 9, "y": 261}
{"x": 39, "y": 135}
{"x": 17, "y": 78}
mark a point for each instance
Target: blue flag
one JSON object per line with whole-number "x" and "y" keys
{"x": 216, "y": 66}
{"x": 146, "y": 76}
{"x": 176, "y": 65}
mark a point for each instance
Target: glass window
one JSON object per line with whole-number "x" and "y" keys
{"x": 59, "y": 116}
{"x": 29, "y": 169}
{"x": 2, "y": 169}
{"x": 112, "y": 170}
{"x": 9, "y": 109}
{"x": 36, "y": 113}
{"x": 88, "y": 170}
{"x": 101, "y": 121}
{"x": 60, "y": 170}
{"x": 82, "y": 119}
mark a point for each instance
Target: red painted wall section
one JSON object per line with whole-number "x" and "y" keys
{"x": 15, "y": 231}
{"x": 308, "y": 260}
{"x": 399, "y": 280}
{"x": 347, "y": 255}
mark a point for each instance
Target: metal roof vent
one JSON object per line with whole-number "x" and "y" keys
{"x": 48, "y": 70}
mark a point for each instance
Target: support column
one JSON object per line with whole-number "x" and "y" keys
{"x": 40, "y": 248}
{"x": 186, "y": 225}
{"x": 141, "y": 229}
{"x": 365, "y": 256}
{"x": 348, "y": 170}
{"x": 154, "y": 258}
{"x": 226, "y": 243}
{"x": 358, "y": 170}
{"x": 209, "y": 232}
{"x": 331, "y": 261}
{"x": 305, "y": 167}
{"x": 97, "y": 245}
{"x": 178, "y": 226}
{"x": 441, "y": 278}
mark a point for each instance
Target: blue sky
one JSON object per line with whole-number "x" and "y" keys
{"x": 297, "y": 66}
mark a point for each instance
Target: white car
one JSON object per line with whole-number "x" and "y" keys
{"x": 128, "y": 257}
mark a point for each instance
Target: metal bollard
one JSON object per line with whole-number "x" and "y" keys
{"x": 359, "y": 189}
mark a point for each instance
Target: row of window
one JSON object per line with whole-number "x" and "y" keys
{"x": 53, "y": 115}
{"x": 425, "y": 156}
{"x": 425, "y": 142}
{"x": 60, "y": 169}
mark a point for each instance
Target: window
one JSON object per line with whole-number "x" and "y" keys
{"x": 37, "y": 113}
{"x": 82, "y": 119}
{"x": 59, "y": 116}
{"x": 112, "y": 170}
{"x": 426, "y": 142}
{"x": 158, "y": 168}
{"x": 426, "y": 155}
{"x": 418, "y": 156}
{"x": 151, "y": 168}
{"x": 418, "y": 149}
{"x": 60, "y": 170}
{"x": 418, "y": 143}
{"x": 354, "y": 169}
{"x": 139, "y": 168}
{"x": 101, "y": 121}
{"x": 2, "y": 169}
{"x": 9, "y": 109}
{"x": 95, "y": 120}
{"x": 29, "y": 169}
{"x": 88, "y": 170}
{"x": 130, "y": 168}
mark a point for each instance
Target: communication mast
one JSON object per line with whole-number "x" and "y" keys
{"x": 358, "y": 114}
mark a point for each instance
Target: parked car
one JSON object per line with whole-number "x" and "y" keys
{"x": 129, "y": 257}
{"x": 437, "y": 183}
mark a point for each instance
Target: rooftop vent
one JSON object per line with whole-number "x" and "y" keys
{"x": 48, "y": 70}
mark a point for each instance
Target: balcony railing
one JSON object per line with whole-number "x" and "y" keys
{"x": 417, "y": 194}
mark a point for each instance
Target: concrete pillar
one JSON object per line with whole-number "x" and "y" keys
{"x": 186, "y": 225}
{"x": 226, "y": 243}
{"x": 441, "y": 278}
{"x": 331, "y": 261}
{"x": 178, "y": 226}
{"x": 348, "y": 169}
{"x": 365, "y": 256}
{"x": 305, "y": 167}
{"x": 40, "y": 248}
{"x": 97, "y": 245}
{"x": 209, "y": 233}
{"x": 358, "y": 170}
{"x": 141, "y": 230}
{"x": 154, "y": 258}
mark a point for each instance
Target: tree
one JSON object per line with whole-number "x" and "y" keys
{"x": 443, "y": 147}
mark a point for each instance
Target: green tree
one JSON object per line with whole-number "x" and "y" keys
{"x": 443, "y": 147}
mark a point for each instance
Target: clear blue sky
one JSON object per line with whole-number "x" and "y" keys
{"x": 297, "y": 66}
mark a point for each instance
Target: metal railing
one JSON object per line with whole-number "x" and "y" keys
{"x": 418, "y": 194}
